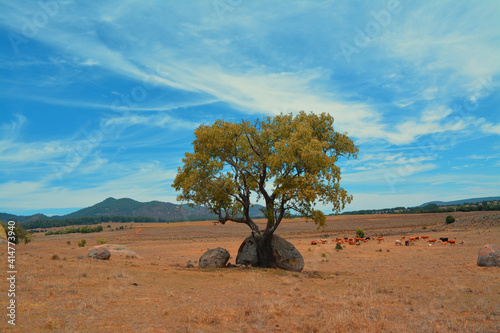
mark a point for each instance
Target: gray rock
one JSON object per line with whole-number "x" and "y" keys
{"x": 286, "y": 255}
{"x": 80, "y": 256}
{"x": 189, "y": 265}
{"x": 489, "y": 256}
{"x": 247, "y": 253}
{"x": 100, "y": 253}
{"x": 216, "y": 258}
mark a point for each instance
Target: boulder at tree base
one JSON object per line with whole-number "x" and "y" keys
{"x": 286, "y": 255}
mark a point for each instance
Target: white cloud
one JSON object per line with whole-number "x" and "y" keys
{"x": 145, "y": 182}
{"x": 491, "y": 129}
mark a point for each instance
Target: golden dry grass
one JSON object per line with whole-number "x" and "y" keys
{"x": 368, "y": 288}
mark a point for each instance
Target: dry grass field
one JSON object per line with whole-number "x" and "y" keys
{"x": 368, "y": 288}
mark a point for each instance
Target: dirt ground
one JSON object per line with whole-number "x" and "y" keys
{"x": 368, "y": 288}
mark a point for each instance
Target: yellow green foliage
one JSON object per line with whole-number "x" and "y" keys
{"x": 289, "y": 161}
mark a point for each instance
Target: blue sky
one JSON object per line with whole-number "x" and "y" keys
{"x": 101, "y": 98}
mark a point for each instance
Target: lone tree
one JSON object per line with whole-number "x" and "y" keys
{"x": 288, "y": 161}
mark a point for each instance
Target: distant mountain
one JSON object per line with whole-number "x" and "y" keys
{"x": 162, "y": 211}
{"x": 22, "y": 218}
{"x": 156, "y": 209}
{"x": 460, "y": 202}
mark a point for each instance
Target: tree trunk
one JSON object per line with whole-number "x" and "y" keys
{"x": 265, "y": 253}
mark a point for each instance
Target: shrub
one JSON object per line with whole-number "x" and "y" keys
{"x": 424, "y": 227}
{"x": 102, "y": 240}
{"x": 55, "y": 257}
{"x": 450, "y": 219}
{"x": 82, "y": 243}
{"x": 68, "y": 242}
{"x": 338, "y": 247}
{"x": 360, "y": 233}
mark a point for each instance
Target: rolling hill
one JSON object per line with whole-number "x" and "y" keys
{"x": 460, "y": 202}
{"x": 162, "y": 211}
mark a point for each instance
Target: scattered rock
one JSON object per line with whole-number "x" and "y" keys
{"x": 287, "y": 256}
{"x": 135, "y": 284}
{"x": 80, "y": 256}
{"x": 216, "y": 258}
{"x": 489, "y": 256}
{"x": 100, "y": 253}
{"x": 189, "y": 265}
{"x": 121, "y": 250}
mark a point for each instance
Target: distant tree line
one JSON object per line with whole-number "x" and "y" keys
{"x": 85, "y": 220}
{"x": 431, "y": 208}
{"x": 72, "y": 230}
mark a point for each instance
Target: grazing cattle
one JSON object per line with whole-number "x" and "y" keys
{"x": 432, "y": 240}
{"x": 412, "y": 239}
{"x": 352, "y": 243}
{"x": 424, "y": 237}
{"x": 380, "y": 239}
{"x": 323, "y": 241}
{"x": 403, "y": 237}
{"x": 462, "y": 243}
{"x": 451, "y": 241}
{"x": 340, "y": 242}
{"x": 443, "y": 239}
{"x": 398, "y": 242}
{"x": 444, "y": 243}
{"x": 408, "y": 243}
{"x": 313, "y": 242}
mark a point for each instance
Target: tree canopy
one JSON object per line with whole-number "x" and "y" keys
{"x": 288, "y": 161}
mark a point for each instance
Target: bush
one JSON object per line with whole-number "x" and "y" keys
{"x": 18, "y": 232}
{"x": 102, "y": 240}
{"x": 55, "y": 257}
{"x": 360, "y": 233}
{"x": 82, "y": 243}
{"x": 450, "y": 219}
{"x": 338, "y": 247}
{"x": 68, "y": 242}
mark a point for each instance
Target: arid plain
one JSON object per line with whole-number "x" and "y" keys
{"x": 373, "y": 287}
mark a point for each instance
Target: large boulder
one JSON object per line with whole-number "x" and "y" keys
{"x": 247, "y": 253}
{"x": 286, "y": 255}
{"x": 216, "y": 258}
{"x": 489, "y": 256}
{"x": 100, "y": 253}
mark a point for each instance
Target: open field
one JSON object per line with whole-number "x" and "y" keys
{"x": 368, "y": 288}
